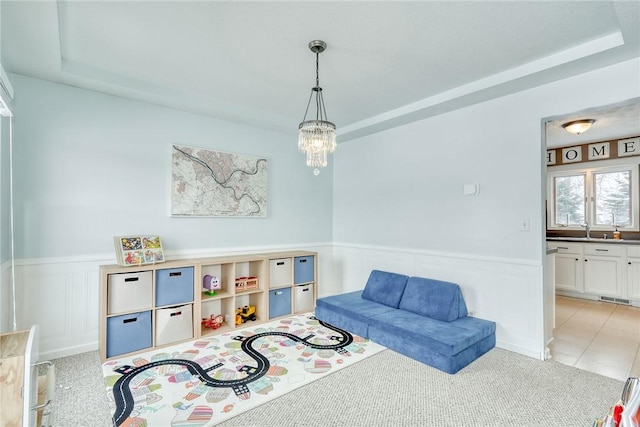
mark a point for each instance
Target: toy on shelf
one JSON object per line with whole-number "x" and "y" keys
{"x": 213, "y": 322}
{"x": 211, "y": 284}
{"x": 246, "y": 283}
{"x": 248, "y": 312}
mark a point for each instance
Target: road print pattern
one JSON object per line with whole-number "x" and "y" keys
{"x": 204, "y": 382}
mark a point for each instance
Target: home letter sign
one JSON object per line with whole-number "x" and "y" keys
{"x": 628, "y": 147}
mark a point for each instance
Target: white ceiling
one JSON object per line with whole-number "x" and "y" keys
{"x": 387, "y": 62}
{"x": 615, "y": 121}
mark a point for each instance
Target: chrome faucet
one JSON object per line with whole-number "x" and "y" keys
{"x": 588, "y": 229}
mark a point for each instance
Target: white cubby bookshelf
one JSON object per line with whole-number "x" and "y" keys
{"x": 254, "y": 272}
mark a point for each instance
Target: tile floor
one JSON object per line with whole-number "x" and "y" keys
{"x": 597, "y": 336}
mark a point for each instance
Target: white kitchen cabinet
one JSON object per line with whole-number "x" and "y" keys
{"x": 602, "y": 276}
{"x": 603, "y": 270}
{"x": 569, "y": 268}
{"x": 633, "y": 278}
{"x": 597, "y": 269}
{"x": 633, "y": 272}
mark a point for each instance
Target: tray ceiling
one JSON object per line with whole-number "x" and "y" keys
{"x": 387, "y": 62}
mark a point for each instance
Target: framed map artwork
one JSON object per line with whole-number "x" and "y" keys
{"x": 213, "y": 183}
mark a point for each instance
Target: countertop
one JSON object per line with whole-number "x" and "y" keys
{"x": 593, "y": 240}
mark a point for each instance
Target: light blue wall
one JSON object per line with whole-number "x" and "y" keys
{"x": 404, "y": 187}
{"x": 5, "y": 230}
{"x": 5, "y": 212}
{"x": 89, "y": 166}
{"x": 4, "y": 189}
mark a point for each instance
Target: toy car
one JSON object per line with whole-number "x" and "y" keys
{"x": 213, "y": 322}
{"x": 248, "y": 312}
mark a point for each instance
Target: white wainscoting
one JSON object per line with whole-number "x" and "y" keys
{"x": 61, "y": 295}
{"x": 506, "y": 291}
{"x": 6, "y": 318}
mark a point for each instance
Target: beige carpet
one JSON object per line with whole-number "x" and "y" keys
{"x": 499, "y": 389}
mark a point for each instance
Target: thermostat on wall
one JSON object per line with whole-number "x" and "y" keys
{"x": 471, "y": 189}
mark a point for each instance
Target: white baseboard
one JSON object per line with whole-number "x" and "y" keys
{"x": 68, "y": 351}
{"x": 520, "y": 350}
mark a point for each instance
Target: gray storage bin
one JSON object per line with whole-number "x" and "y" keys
{"x": 129, "y": 292}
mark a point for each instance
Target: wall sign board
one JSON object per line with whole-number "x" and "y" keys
{"x": 593, "y": 152}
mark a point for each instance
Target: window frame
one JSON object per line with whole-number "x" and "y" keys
{"x": 590, "y": 197}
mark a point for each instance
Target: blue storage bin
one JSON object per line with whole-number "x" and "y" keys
{"x": 174, "y": 286}
{"x": 128, "y": 333}
{"x": 279, "y": 302}
{"x": 303, "y": 269}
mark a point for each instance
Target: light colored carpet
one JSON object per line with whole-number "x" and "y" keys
{"x": 80, "y": 400}
{"x": 388, "y": 389}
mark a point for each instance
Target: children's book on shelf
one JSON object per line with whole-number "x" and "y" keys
{"x": 138, "y": 250}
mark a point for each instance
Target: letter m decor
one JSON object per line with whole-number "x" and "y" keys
{"x": 599, "y": 151}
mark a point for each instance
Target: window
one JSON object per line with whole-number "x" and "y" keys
{"x": 605, "y": 198}
{"x": 612, "y": 198}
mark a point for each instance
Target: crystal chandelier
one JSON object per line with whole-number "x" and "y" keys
{"x": 317, "y": 137}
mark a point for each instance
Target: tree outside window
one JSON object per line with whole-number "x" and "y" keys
{"x": 602, "y": 197}
{"x": 570, "y": 200}
{"x": 612, "y": 198}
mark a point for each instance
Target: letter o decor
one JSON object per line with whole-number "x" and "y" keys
{"x": 572, "y": 154}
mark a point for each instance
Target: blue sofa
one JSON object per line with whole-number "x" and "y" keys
{"x": 424, "y": 319}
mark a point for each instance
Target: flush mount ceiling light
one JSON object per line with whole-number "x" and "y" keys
{"x": 578, "y": 126}
{"x": 317, "y": 137}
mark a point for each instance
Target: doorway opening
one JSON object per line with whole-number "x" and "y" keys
{"x": 588, "y": 331}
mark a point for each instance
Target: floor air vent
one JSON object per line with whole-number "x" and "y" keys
{"x": 615, "y": 300}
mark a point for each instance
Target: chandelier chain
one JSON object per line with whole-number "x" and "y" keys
{"x": 317, "y": 69}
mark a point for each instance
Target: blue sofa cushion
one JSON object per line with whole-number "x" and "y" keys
{"x": 447, "y": 338}
{"x": 352, "y": 305}
{"x": 433, "y": 298}
{"x": 481, "y": 326}
{"x": 385, "y": 288}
